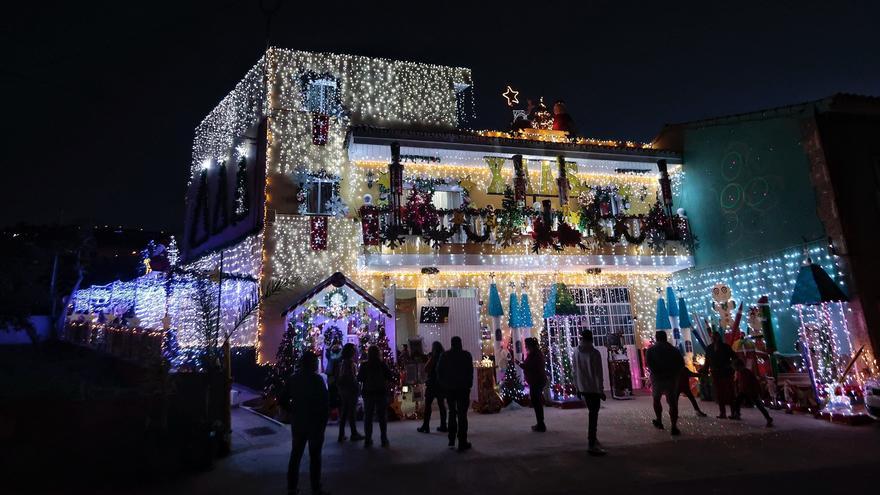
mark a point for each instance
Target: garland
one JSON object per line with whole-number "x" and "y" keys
{"x": 473, "y": 237}
{"x": 564, "y": 236}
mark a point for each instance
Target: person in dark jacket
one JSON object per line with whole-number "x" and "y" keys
{"x": 533, "y": 369}
{"x": 748, "y": 388}
{"x": 347, "y": 387}
{"x": 665, "y": 362}
{"x": 305, "y": 396}
{"x": 433, "y": 390}
{"x": 456, "y": 373}
{"x": 375, "y": 375}
{"x": 719, "y": 359}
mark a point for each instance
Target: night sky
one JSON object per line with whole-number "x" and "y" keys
{"x": 100, "y": 102}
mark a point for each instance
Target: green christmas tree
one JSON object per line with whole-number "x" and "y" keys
{"x": 289, "y": 352}
{"x": 512, "y": 388}
{"x": 565, "y": 302}
{"x": 511, "y": 218}
{"x": 388, "y": 356}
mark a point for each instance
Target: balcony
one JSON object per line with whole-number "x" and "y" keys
{"x": 450, "y": 243}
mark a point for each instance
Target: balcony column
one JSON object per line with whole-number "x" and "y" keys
{"x": 395, "y": 175}
{"x": 562, "y": 182}
{"x": 519, "y": 179}
{"x": 665, "y": 188}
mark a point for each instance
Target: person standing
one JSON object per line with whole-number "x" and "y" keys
{"x": 375, "y": 375}
{"x": 590, "y": 382}
{"x": 347, "y": 387}
{"x": 666, "y": 363}
{"x": 433, "y": 390}
{"x": 456, "y": 374}
{"x": 305, "y": 396}
{"x": 684, "y": 388}
{"x": 536, "y": 378}
{"x": 747, "y": 388}
{"x": 719, "y": 359}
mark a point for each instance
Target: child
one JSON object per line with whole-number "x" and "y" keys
{"x": 747, "y": 387}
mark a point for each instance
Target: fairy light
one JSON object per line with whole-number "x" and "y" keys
{"x": 774, "y": 275}
{"x": 387, "y": 94}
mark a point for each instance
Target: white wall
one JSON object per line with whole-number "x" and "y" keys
{"x": 464, "y": 321}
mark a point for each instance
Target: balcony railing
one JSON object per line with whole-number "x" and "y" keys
{"x": 480, "y": 231}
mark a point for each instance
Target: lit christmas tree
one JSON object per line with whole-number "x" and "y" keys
{"x": 388, "y": 356}
{"x": 565, "y": 302}
{"x": 288, "y": 355}
{"x": 512, "y": 388}
{"x": 511, "y": 218}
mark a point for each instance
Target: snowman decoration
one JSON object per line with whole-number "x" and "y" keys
{"x": 723, "y": 305}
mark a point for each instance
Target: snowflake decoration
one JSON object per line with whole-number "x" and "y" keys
{"x": 336, "y": 207}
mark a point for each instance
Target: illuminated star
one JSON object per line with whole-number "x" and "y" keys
{"x": 511, "y": 96}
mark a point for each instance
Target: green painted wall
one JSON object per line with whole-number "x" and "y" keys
{"x": 748, "y": 195}
{"x": 747, "y": 189}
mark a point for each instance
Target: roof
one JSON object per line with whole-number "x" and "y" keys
{"x": 338, "y": 279}
{"x": 844, "y": 102}
{"x": 495, "y": 141}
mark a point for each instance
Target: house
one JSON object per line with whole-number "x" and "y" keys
{"x": 320, "y": 163}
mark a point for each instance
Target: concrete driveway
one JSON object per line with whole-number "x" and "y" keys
{"x": 712, "y": 456}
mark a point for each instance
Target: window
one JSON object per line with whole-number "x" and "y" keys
{"x": 318, "y": 193}
{"x": 605, "y": 311}
{"x": 321, "y": 96}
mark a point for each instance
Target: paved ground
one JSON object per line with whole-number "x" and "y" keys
{"x": 712, "y": 456}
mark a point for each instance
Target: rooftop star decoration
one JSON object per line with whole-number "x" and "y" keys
{"x": 511, "y": 96}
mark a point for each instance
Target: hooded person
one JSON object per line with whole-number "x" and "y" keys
{"x": 456, "y": 374}
{"x": 590, "y": 380}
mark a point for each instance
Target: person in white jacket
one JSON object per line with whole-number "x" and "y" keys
{"x": 589, "y": 380}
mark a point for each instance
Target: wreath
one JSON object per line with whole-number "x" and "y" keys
{"x": 336, "y": 298}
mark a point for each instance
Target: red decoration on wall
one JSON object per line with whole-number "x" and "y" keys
{"x": 318, "y": 233}
{"x": 320, "y": 129}
{"x": 370, "y": 225}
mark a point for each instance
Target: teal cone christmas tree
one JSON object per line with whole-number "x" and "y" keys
{"x": 662, "y": 321}
{"x": 525, "y": 311}
{"x": 513, "y": 312}
{"x": 495, "y": 308}
{"x": 550, "y": 306}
